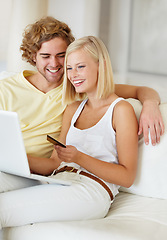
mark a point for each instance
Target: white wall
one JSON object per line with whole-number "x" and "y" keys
{"x": 22, "y": 14}
{"x": 5, "y": 13}
{"x": 119, "y": 34}
{"x": 148, "y": 49}
{"x": 120, "y": 23}
{"x": 138, "y": 36}
{"x": 82, "y": 16}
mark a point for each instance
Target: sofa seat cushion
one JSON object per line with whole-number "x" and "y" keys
{"x": 130, "y": 217}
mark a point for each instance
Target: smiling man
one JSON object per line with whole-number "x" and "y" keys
{"x": 37, "y": 96}
{"x": 49, "y": 63}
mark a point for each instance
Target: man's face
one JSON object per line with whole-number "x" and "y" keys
{"x": 50, "y": 60}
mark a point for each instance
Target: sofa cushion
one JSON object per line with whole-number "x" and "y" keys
{"x": 130, "y": 217}
{"x": 151, "y": 179}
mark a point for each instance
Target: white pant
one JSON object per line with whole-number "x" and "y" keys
{"x": 35, "y": 202}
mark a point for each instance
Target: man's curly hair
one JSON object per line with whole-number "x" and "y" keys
{"x": 41, "y": 31}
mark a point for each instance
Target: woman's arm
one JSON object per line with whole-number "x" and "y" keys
{"x": 150, "y": 117}
{"x": 45, "y": 166}
{"x": 126, "y": 127}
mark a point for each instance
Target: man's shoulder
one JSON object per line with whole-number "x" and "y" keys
{"x": 11, "y": 77}
{"x": 8, "y": 80}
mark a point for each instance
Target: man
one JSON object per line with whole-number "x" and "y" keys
{"x": 36, "y": 96}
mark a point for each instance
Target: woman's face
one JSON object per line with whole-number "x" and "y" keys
{"x": 82, "y": 71}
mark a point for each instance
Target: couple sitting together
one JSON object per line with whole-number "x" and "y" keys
{"x": 72, "y": 96}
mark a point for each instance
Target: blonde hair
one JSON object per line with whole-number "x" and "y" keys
{"x": 98, "y": 51}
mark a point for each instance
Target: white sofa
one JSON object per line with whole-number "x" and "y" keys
{"x": 138, "y": 213}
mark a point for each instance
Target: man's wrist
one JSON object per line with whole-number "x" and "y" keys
{"x": 151, "y": 102}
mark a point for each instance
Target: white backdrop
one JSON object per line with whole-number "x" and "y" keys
{"x": 148, "y": 49}
{"x": 135, "y": 31}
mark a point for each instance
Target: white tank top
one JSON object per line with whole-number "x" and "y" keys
{"x": 97, "y": 141}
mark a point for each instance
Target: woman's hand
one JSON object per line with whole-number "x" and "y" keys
{"x": 68, "y": 154}
{"x": 151, "y": 118}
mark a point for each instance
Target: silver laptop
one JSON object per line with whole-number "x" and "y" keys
{"x": 13, "y": 157}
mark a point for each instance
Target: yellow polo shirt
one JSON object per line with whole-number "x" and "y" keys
{"x": 39, "y": 113}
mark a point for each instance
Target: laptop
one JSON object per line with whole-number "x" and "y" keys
{"x": 13, "y": 157}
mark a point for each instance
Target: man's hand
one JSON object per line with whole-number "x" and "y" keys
{"x": 151, "y": 118}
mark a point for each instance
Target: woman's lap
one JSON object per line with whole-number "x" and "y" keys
{"x": 84, "y": 199}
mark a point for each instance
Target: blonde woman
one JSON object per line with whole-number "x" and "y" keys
{"x": 100, "y": 131}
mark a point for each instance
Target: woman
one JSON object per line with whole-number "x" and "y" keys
{"x": 100, "y": 131}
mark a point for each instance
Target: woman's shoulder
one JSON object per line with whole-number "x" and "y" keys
{"x": 122, "y": 104}
{"x": 123, "y": 113}
{"x": 123, "y": 109}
